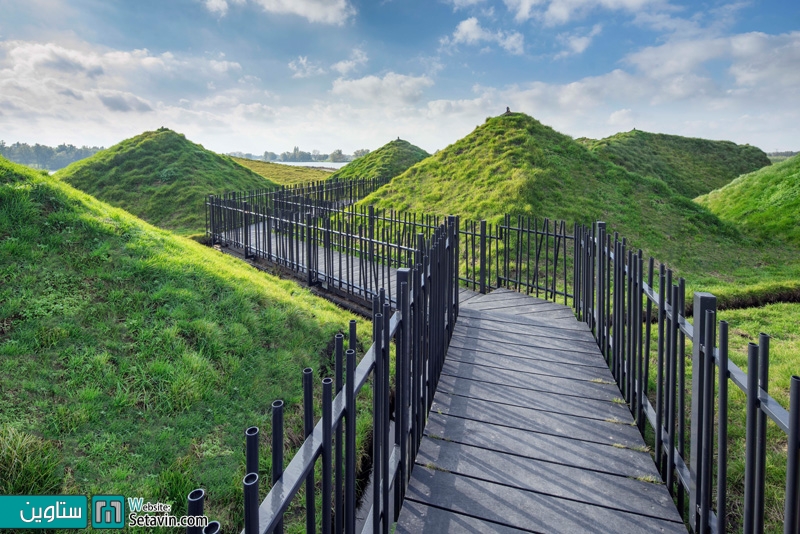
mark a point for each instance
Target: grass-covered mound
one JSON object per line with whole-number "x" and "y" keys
{"x": 132, "y": 360}
{"x": 766, "y": 201}
{"x": 161, "y": 177}
{"x": 387, "y": 162}
{"x": 688, "y": 165}
{"x": 514, "y": 164}
{"x": 284, "y": 174}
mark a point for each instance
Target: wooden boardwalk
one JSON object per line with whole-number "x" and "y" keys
{"x": 527, "y": 433}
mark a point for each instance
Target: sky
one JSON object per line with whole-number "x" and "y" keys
{"x": 258, "y": 75}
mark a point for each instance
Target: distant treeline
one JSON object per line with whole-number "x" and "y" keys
{"x": 45, "y": 157}
{"x": 301, "y": 155}
{"x": 785, "y": 153}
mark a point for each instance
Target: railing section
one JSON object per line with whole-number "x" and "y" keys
{"x": 615, "y": 294}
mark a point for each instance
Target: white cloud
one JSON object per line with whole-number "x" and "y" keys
{"x": 393, "y": 88}
{"x": 461, "y": 4}
{"x": 357, "y": 58}
{"x": 303, "y": 68}
{"x": 554, "y": 12}
{"x": 576, "y": 43}
{"x": 322, "y": 11}
{"x": 471, "y": 32}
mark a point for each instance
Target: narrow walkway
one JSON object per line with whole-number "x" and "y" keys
{"x": 526, "y": 433}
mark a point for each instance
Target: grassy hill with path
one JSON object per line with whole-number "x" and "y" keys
{"x": 690, "y": 166}
{"x": 514, "y": 164}
{"x": 766, "y": 202}
{"x": 161, "y": 177}
{"x": 132, "y": 360}
{"x": 388, "y": 161}
{"x": 284, "y": 174}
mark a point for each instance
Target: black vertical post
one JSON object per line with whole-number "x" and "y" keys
{"x": 704, "y": 466}
{"x": 337, "y": 461}
{"x": 309, "y": 251}
{"x": 402, "y": 385}
{"x": 703, "y": 302}
{"x": 722, "y": 432}
{"x": 277, "y": 450}
{"x": 308, "y": 429}
{"x": 750, "y": 444}
{"x": 327, "y": 446}
{"x": 385, "y": 447}
{"x": 251, "y": 442}
{"x": 600, "y": 332}
{"x": 791, "y": 523}
{"x": 350, "y": 435}
{"x": 483, "y": 258}
{"x": 377, "y": 417}
{"x": 761, "y": 441}
{"x": 250, "y": 484}
{"x": 194, "y": 507}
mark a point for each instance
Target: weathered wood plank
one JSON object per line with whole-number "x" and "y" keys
{"x": 418, "y": 518}
{"x": 557, "y": 424}
{"x": 528, "y": 444}
{"x": 525, "y": 509}
{"x": 591, "y": 487}
{"x": 536, "y": 353}
{"x": 522, "y": 365}
{"x": 606, "y": 391}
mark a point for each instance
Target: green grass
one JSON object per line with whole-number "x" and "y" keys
{"x": 514, "y": 164}
{"x": 132, "y": 360}
{"x": 690, "y": 166}
{"x": 284, "y": 174}
{"x": 780, "y": 322}
{"x": 162, "y": 178}
{"x": 765, "y": 202}
{"x": 388, "y": 161}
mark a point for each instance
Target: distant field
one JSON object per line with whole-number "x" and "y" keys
{"x": 284, "y": 174}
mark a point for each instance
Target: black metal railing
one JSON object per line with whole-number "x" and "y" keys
{"x": 612, "y": 296}
{"x": 353, "y": 250}
{"x": 420, "y": 324}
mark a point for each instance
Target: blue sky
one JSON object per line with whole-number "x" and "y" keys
{"x": 256, "y": 75}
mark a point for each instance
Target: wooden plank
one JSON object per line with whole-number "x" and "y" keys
{"x": 550, "y": 402}
{"x": 521, "y": 364}
{"x": 537, "y": 353}
{"x": 605, "y": 390}
{"x": 527, "y": 444}
{"x": 591, "y": 487}
{"x": 521, "y": 306}
{"x": 518, "y": 508}
{"x": 468, "y": 324}
{"x": 540, "y": 341}
{"x": 556, "y": 424}
{"x": 418, "y": 518}
{"x": 560, "y": 323}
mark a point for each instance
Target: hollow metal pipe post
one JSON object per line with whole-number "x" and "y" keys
{"x": 308, "y": 429}
{"x": 722, "y": 431}
{"x": 277, "y": 450}
{"x": 327, "y": 451}
{"x": 251, "y": 449}
{"x": 761, "y": 441}
{"x": 194, "y": 507}
{"x": 350, "y": 436}
{"x": 337, "y": 461}
{"x": 750, "y": 444}
{"x": 791, "y": 516}
{"x": 250, "y": 484}
{"x": 707, "y": 424}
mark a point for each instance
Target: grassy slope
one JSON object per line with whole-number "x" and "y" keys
{"x": 766, "y": 201}
{"x": 514, "y": 164}
{"x": 161, "y": 177}
{"x": 131, "y": 360}
{"x": 690, "y": 166}
{"x": 388, "y": 161}
{"x": 284, "y": 174}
